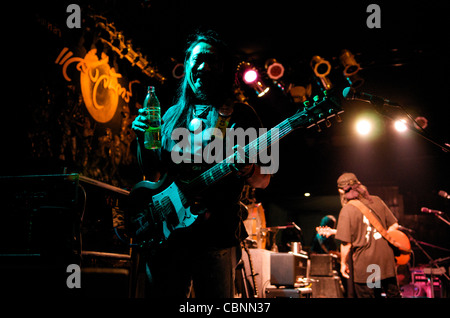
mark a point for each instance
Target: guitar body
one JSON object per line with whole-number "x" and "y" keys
{"x": 158, "y": 209}
{"x": 402, "y": 248}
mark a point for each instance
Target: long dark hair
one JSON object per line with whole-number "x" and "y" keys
{"x": 181, "y": 113}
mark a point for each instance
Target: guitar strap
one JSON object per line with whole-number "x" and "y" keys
{"x": 365, "y": 210}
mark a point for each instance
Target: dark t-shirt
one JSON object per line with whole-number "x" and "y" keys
{"x": 368, "y": 246}
{"x": 221, "y": 225}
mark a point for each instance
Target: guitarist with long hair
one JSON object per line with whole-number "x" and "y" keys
{"x": 374, "y": 264}
{"x": 206, "y": 252}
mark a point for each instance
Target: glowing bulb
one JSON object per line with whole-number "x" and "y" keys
{"x": 400, "y": 125}
{"x": 250, "y": 76}
{"x": 363, "y": 127}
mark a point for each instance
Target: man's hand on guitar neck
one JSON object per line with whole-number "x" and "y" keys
{"x": 250, "y": 171}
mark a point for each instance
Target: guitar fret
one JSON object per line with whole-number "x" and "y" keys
{"x": 222, "y": 169}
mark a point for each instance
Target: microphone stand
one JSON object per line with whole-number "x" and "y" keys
{"x": 431, "y": 262}
{"x": 378, "y": 104}
{"x": 444, "y": 220}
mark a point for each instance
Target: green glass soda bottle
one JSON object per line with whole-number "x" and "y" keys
{"x": 152, "y": 137}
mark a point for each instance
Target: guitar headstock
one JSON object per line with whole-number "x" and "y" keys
{"x": 318, "y": 111}
{"x": 325, "y": 231}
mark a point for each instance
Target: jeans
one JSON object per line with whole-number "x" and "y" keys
{"x": 179, "y": 273}
{"x": 388, "y": 285}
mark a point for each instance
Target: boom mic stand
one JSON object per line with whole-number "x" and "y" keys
{"x": 380, "y": 106}
{"x": 431, "y": 262}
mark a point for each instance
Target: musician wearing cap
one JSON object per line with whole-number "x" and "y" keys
{"x": 363, "y": 225}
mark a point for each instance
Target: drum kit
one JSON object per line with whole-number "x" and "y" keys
{"x": 259, "y": 234}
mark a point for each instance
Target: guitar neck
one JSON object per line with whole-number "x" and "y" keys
{"x": 251, "y": 150}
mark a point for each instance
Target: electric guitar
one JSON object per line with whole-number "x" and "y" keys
{"x": 159, "y": 208}
{"x": 325, "y": 231}
{"x": 402, "y": 247}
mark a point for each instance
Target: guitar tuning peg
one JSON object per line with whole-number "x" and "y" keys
{"x": 328, "y": 123}
{"x": 338, "y": 118}
{"x": 306, "y": 104}
{"x": 319, "y": 129}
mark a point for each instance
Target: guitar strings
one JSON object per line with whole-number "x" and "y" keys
{"x": 223, "y": 168}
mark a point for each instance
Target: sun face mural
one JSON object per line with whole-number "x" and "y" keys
{"x": 99, "y": 83}
{"x": 99, "y": 87}
{"x": 85, "y": 123}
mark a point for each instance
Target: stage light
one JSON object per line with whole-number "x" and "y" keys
{"x": 298, "y": 94}
{"x": 275, "y": 70}
{"x": 307, "y": 194}
{"x": 321, "y": 68}
{"x": 400, "y": 125}
{"x": 177, "y": 68}
{"x": 363, "y": 127}
{"x": 355, "y": 81}
{"x": 351, "y": 67}
{"x": 421, "y": 122}
{"x": 250, "y": 76}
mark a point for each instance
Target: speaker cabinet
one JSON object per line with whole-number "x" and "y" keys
{"x": 288, "y": 292}
{"x": 285, "y": 268}
{"x": 327, "y": 287}
{"x": 321, "y": 265}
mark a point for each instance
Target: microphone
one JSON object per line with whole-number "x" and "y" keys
{"x": 350, "y": 94}
{"x": 427, "y": 210}
{"x": 444, "y": 194}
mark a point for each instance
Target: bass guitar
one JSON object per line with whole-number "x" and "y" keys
{"x": 161, "y": 207}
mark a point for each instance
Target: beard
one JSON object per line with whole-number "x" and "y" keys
{"x": 209, "y": 89}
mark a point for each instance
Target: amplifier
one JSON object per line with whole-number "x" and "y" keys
{"x": 327, "y": 287}
{"x": 321, "y": 265}
{"x": 285, "y": 268}
{"x": 39, "y": 214}
{"x": 304, "y": 292}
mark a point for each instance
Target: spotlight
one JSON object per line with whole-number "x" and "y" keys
{"x": 351, "y": 67}
{"x": 363, "y": 127}
{"x": 274, "y": 69}
{"x": 400, "y": 125}
{"x": 321, "y": 68}
{"x": 252, "y": 78}
{"x": 355, "y": 81}
{"x": 421, "y": 122}
{"x": 177, "y": 68}
{"x": 298, "y": 94}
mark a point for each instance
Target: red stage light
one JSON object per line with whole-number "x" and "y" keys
{"x": 250, "y": 76}
{"x": 275, "y": 71}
